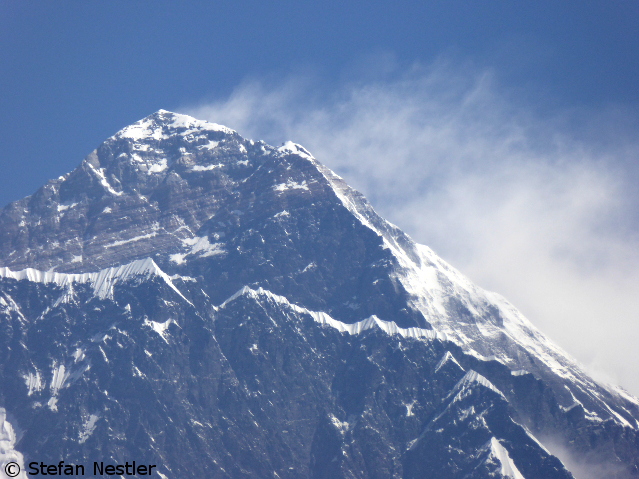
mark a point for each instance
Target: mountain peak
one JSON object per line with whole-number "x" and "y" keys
{"x": 179, "y": 249}
{"x": 146, "y": 191}
{"x": 163, "y": 124}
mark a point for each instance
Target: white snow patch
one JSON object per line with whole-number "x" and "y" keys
{"x": 88, "y": 428}
{"x": 293, "y": 148}
{"x": 131, "y": 240}
{"x": 76, "y": 259}
{"x": 207, "y": 167}
{"x": 107, "y": 210}
{"x": 34, "y": 382}
{"x": 178, "y": 258}
{"x": 106, "y": 359}
{"x": 508, "y": 467}
{"x": 100, "y": 174}
{"x": 8, "y": 453}
{"x": 198, "y": 245}
{"x": 209, "y": 146}
{"x": 158, "y": 167}
{"x": 59, "y": 378}
{"x": 148, "y": 129}
{"x": 183, "y": 278}
{"x": 191, "y": 124}
{"x": 311, "y": 266}
{"x": 160, "y": 328}
{"x": 341, "y": 426}
{"x": 79, "y": 355}
{"x": 143, "y": 129}
{"x": 291, "y": 185}
{"x": 66, "y": 207}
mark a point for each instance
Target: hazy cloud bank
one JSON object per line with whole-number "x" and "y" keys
{"x": 523, "y": 203}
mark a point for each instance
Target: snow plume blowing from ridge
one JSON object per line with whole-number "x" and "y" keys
{"x": 526, "y": 204}
{"x": 579, "y": 468}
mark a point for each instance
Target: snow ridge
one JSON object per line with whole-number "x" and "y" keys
{"x": 508, "y": 467}
{"x": 102, "y": 281}
{"x": 469, "y": 380}
{"x": 389, "y": 327}
{"x": 448, "y": 357}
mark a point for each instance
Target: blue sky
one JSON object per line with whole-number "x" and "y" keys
{"x": 74, "y": 73}
{"x": 504, "y": 134}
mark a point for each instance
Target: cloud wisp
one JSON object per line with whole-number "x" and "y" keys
{"x": 521, "y": 202}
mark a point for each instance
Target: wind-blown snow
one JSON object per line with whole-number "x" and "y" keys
{"x": 482, "y": 323}
{"x": 463, "y": 386}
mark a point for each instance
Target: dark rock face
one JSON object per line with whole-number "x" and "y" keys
{"x": 222, "y": 308}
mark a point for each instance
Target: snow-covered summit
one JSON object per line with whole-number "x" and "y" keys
{"x": 163, "y": 124}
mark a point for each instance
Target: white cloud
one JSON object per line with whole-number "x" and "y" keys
{"x": 508, "y": 196}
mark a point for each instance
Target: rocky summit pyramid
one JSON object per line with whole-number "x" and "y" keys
{"x": 217, "y": 307}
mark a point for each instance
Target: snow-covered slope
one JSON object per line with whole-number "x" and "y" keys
{"x": 101, "y": 281}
